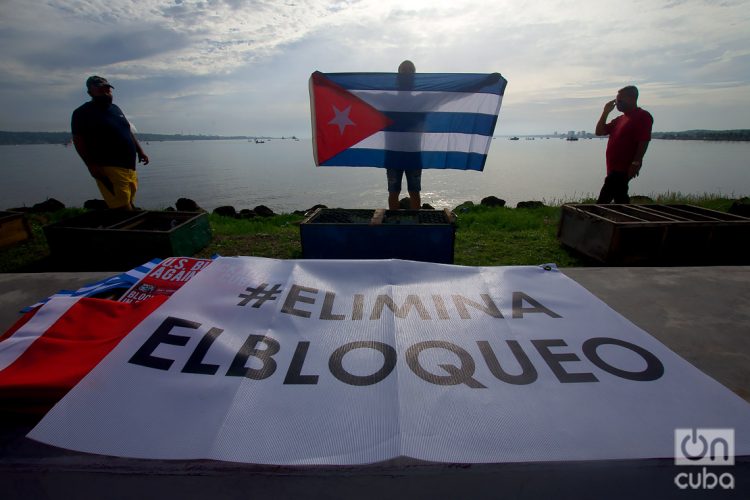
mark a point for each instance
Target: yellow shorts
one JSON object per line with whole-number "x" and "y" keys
{"x": 119, "y": 189}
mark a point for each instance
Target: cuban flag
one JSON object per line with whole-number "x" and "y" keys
{"x": 50, "y": 349}
{"x": 431, "y": 120}
{"x": 114, "y": 285}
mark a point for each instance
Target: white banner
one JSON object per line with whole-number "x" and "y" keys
{"x": 349, "y": 362}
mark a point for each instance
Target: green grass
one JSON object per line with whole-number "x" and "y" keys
{"x": 510, "y": 236}
{"x": 274, "y": 237}
{"x": 484, "y": 236}
{"x": 706, "y": 200}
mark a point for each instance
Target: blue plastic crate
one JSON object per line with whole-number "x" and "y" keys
{"x": 423, "y": 235}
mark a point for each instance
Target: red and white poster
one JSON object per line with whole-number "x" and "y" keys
{"x": 164, "y": 279}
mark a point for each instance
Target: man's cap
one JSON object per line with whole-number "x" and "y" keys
{"x": 97, "y": 81}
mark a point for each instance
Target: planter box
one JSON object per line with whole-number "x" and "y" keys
{"x": 655, "y": 234}
{"x": 115, "y": 238}
{"x": 14, "y": 228}
{"x": 424, "y": 235}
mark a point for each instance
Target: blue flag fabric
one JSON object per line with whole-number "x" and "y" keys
{"x": 433, "y": 120}
{"x": 114, "y": 284}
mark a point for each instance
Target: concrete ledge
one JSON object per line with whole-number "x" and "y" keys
{"x": 701, "y": 313}
{"x": 18, "y": 290}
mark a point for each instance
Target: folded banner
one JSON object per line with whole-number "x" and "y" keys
{"x": 114, "y": 285}
{"x": 348, "y": 362}
{"x": 51, "y": 348}
{"x": 57, "y": 345}
{"x": 433, "y": 120}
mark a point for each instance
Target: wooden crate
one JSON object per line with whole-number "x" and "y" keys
{"x": 655, "y": 234}
{"x": 14, "y": 228}
{"x": 120, "y": 239}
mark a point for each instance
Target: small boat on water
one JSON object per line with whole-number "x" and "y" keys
{"x": 571, "y": 138}
{"x": 514, "y": 138}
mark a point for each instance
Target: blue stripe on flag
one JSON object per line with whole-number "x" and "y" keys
{"x": 444, "y": 82}
{"x": 120, "y": 281}
{"x": 460, "y": 123}
{"x": 403, "y": 159}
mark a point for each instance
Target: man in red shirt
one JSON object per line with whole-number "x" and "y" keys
{"x": 629, "y": 135}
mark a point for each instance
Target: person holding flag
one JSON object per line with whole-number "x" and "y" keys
{"x": 404, "y": 122}
{"x": 396, "y": 172}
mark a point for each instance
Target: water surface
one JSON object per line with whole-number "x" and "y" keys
{"x": 282, "y": 175}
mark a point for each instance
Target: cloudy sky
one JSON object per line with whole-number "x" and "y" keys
{"x": 242, "y": 66}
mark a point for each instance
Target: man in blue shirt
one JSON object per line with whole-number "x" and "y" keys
{"x": 105, "y": 142}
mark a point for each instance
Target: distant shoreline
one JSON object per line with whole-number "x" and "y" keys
{"x": 24, "y": 138}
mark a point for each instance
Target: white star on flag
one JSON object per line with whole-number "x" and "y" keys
{"x": 341, "y": 119}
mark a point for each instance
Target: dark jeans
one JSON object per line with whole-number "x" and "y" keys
{"x": 413, "y": 179}
{"x": 615, "y": 188}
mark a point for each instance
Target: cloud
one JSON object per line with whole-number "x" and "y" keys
{"x": 125, "y": 45}
{"x": 225, "y": 58}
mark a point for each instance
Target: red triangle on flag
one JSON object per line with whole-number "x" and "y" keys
{"x": 340, "y": 119}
